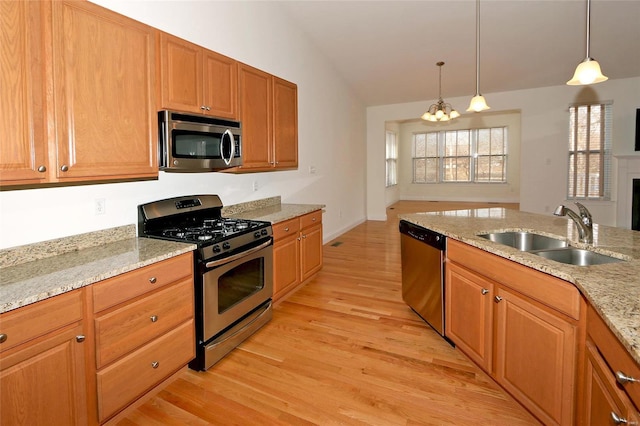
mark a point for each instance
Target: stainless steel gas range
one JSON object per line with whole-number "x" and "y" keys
{"x": 233, "y": 269}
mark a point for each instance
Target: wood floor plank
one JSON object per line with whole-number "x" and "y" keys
{"x": 343, "y": 350}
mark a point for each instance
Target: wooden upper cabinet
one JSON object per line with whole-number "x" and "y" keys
{"x": 103, "y": 86}
{"x": 23, "y": 140}
{"x": 285, "y": 123}
{"x": 269, "y": 117}
{"x": 255, "y": 91}
{"x": 194, "y": 79}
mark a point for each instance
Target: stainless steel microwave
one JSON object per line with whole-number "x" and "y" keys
{"x": 196, "y": 143}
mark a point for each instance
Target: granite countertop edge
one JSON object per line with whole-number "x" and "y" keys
{"x": 612, "y": 289}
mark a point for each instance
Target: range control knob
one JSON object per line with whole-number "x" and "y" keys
{"x": 216, "y": 249}
{"x": 256, "y": 234}
{"x": 264, "y": 232}
{"x": 226, "y": 246}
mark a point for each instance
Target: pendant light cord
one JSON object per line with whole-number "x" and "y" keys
{"x": 588, "y": 27}
{"x": 477, "y": 47}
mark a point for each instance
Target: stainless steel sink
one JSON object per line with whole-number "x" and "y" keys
{"x": 525, "y": 241}
{"x": 576, "y": 256}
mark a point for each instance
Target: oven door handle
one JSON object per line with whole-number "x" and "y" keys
{"x": 236, "y": 256}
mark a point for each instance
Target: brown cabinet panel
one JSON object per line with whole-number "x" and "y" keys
{"x": 311, "y": 251}
{"x": 285, "y": 123}
{"x": 23, "y": 140}
{"x": 103, "y": 87}
{"x": 286, "y": 258}
{"x": 469, "y": 314}
{"x": 255, "y": 93}
{"x": 220, "y": 85}
{"x": 180, "y": 82}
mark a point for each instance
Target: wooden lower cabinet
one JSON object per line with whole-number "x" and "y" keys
{"x": 42, "y": 363}
{"x": 611, "y": 378}
{"x": 144, "y": 333}
{"x": 527, "y": 346}
{"x": 297, "y": 252}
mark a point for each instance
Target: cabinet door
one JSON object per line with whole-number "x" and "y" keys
{"x": 23, "y": 140}
{"x": 286, "y": 258}
{"x": 44, "y": 382}
{"x": 220, "y": 85}
{"x": 285, "y": 123}
{"x": 469, "y": 314}
{"x": 310, "y": 251}
{"x": 536, "y": 357}
{"x": 255, "y": 91}
{"x": 104, "y": 82}
{"x": 602, "y": 397}
{"x": 180, "y": 78}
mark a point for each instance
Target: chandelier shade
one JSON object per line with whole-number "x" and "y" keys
{"x": 478, "y": 103}
{"x": 440, "y": 111}
{"x": 587, "y": 71}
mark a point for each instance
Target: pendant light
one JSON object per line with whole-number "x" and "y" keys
{"x": 477, "y": 102}
{"x": 440, "y": 111}
{"x": 587, "y": 71}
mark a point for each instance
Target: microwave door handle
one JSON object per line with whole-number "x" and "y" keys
{"x": 228, "y": 134}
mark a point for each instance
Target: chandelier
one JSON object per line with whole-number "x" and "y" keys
{"x": 440, "y": 111}
{"x": 587, "y": 71}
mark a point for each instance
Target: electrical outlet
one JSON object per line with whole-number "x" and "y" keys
{"x": 255, "y": 185}
{"x": 312, "y": 170}
{"x": 100, "y": 206}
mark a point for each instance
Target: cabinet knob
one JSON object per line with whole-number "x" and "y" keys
{"x": 155, "y": 364}
{"x": 304, "y": 236}
{"x": 623, "y": 379}
{"x": 313, "y": 219}
{"x": 64, "y": 168}
{"x": 497, "y": 299}
{"x": 153, "y": 318}
{"x": 618, "y": 420}
{"x": 484, "y": 291}
{"x": 202, "y": 107}
{"x": 286, "y": 229}
{"x": 80, "y": 338}
{"x": 152, "y": 280}
{"x": 42, "y": 169}
{"x": 3, "y": 337}
{"x": 208, "y": 108}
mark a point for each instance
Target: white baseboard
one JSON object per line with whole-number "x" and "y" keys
{"x": 336, "y": 234}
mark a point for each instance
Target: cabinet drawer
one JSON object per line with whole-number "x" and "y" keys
{"x": 129, "y": 327}
{"x": 311, "y": 219}
{"x": 122, "y": 382}
{"x": 29, "y": 322}
{"x": 614, "y": 353}
{"x": 284, "y": 229}
{"x": 127, "y": 286}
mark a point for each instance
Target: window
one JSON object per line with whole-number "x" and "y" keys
{"x": 392, "y": 159}
{"x": 469, "y": 155}
{"x": 589, "y": 151}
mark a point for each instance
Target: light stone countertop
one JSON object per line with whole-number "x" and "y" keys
{"x": 279, "y": 212}
{"x": 612, "y": 289}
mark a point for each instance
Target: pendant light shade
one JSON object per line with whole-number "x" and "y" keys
{"x": 587, "y": 71}
{"x": 478, "y": 103}
{"x": 440, "y": 111}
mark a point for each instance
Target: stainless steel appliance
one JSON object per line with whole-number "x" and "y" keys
{"x": 422, "y": 254}
{"x": 233, "y": 269}
{"x": 196, "y": 143}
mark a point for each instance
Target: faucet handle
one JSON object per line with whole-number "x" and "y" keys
{"x": 585, "y": 214}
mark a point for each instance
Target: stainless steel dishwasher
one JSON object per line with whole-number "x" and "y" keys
{"x": 422, "y": 252}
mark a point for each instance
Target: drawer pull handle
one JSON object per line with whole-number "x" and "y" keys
{"x": 484, "y": 291}
{"x": 286, "y": 229}
{"x": 155, "y": 364}
{"x": 154, "y": 318}
{"x": 80, "y": 338}
{"x": 152, "y": 280}
{"x": 3, "y": 337}
{"x": 304, "y": 236}
{"x": 618, "y": 420}
{"x": 498, "y": 299}
{"x": 623, "y": 379}
{"x": 313, "y": 219}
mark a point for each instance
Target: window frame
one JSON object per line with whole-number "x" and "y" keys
{"x": 444, "y": 159}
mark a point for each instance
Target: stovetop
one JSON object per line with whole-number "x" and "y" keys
{"x": 198, "y": 220}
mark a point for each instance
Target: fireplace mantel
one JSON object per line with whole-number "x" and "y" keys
{"x": 628, "y": 170}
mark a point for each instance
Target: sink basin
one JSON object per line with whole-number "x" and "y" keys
{"x": 576, "y": 256}
{"x": 524, "y": 241}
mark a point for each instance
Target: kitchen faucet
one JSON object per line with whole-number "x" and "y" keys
{"x": 583, "y": 221}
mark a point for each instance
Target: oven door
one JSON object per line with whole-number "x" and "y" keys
{"x": 233, "y": 288}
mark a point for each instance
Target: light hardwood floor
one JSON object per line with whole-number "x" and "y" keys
{"x": 343, "y": 350}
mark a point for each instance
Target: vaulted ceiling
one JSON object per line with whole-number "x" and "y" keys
{"x": 387, "y": 50}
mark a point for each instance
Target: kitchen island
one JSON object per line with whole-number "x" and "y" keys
{"x": 612, "y": 289}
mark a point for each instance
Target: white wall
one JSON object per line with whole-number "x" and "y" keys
{"x": 331, "y": 131}
{"x": 544, "y": 136}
